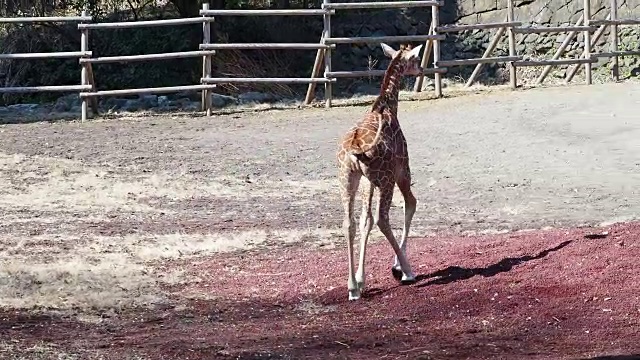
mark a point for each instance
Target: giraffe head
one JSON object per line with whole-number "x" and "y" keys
{"x": 407, "y": 58}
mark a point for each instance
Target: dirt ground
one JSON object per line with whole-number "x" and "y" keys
{"x": 187, "y": 237}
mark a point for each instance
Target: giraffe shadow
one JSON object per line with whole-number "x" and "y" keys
{"x": 453, "y": 274}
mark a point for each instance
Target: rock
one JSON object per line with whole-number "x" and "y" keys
{"x": 67, "y": 102}
{"x": 531, "y": 38}
{"x": 191, "y": 95}
{"x": 378, "y": 33}
{"x": 23, "y": 107}
{"x": 402, "y": 27}
{"x": 256, "y": 97}
{"x": 492, "y": 16}
{"x": 601, "y": 62}
{"x": 131, "y": 105}
{"x": 148, "y": 101}
{"x": 163, "y": 101}
{"x": 218, "y": 100}
{"x": 192, "y": 106}
{"x": 112, "y": 103}
{"x": 181, "y": 102}
{"x": 61, "y": 106}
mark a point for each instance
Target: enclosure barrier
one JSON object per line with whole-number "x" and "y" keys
{"x": 613, "y": 21}
{"x": 86, "y": 62}
{"x": 432, "y": 39}
{"x": 82, "y": 54}
{"x": 327, "y": 43}
{"x": 582, "y": 25}
{"x": 321, "y": 47}
{"x": 485, "y": 59}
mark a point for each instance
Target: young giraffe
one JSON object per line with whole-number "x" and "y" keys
{"x": 376, "y": 149}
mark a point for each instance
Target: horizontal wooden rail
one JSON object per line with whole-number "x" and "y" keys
{"x": 162, "y": 56}
{"x": 145, "y": 23}
{"x": 51, "y": 55}
{"x": 273, "y": 12}
{"x": 617, "y": 53}
{"x": 56, "y": 88}
{"x": 382, "y": 5}
{"x": 364, "y": 73}
{"x": 158, "y": 90}
{"x": 265, "y": 80}
{"x": 615, "y": 22}
{"x": 555, "y": 62}
{"x": 487, "y": 60}
{"x": 378, "y": 39}
{"x": 546, "y": 29}
{"x": 458, "y": 28}
{"x": 266, "y": 46}
{"x": 22, "y": 20}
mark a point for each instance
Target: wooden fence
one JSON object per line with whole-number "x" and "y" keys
{"x": 327, "y": 44}
{"x": 84, "y": 53}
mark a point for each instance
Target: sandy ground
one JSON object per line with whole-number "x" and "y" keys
{"x": 104, "y": 221}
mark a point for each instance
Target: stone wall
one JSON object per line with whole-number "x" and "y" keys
{"x": 542, "y": 46}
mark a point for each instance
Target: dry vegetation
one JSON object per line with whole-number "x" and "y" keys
{"x": 46, "y": 265}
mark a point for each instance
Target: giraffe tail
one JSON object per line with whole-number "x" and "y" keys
{"x": 359, "y": 153}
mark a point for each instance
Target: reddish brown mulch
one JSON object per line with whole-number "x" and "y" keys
{"x": 533, "y": 295}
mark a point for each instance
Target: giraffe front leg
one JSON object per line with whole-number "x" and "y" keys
{"x": 350, "y": 232}
{"x": 350, "y": 189}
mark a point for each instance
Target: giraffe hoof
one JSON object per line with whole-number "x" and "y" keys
{"x": 354, "y": 294}
{"x": 397, "y": 273}
{"x": 408, "y": 280}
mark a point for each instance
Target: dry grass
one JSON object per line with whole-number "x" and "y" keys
{"x": 62, "y": 270}
{"x": 53, "y": 184}
{"x": 17, "y": 351}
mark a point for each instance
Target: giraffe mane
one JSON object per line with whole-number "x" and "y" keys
{"x": 379, "y": 104}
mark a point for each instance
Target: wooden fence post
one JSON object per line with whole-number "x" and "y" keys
{"x": 615, "y": 70}
{"x": 435, "y": 22}
{"x": 206, "y": 61}
{"x": 513, "y": 78}
{"x": 317, "y": 65}
{"x": 417, "y": 86}
{"x": 572, "y": 72}
{"x": 560, "y": 50}
{"x": 587, "y": 41}
{"x": 327, "y": 56}
{"x": 492, "y": 46}
{"x": 84, "y": 46}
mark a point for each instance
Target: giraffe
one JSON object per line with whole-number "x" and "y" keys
{"x": 376, "y": 149}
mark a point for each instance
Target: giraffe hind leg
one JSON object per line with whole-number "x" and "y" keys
{"x": 386, "y": 197}
{"x": 366, "y": 223}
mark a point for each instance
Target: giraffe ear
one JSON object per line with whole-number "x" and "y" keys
{"x": 388, "y": 50}
{"x": 415, "y": 52}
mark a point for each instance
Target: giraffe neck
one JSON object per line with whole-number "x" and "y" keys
{"x": 390, "y": 88}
